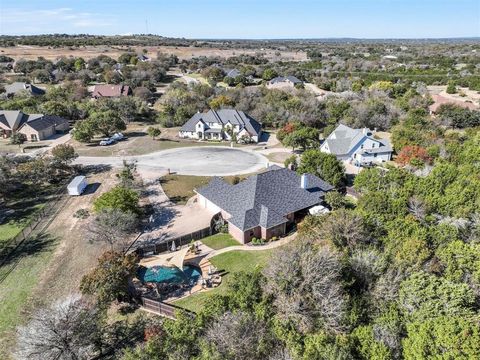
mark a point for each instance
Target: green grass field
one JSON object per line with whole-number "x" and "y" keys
{"x": 230, "y": 262}
{"x": 220, "y": 241}
{"x": 24, "y": 269}
{"x": 14, "y": 226}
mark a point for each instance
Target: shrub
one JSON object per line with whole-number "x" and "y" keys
{"x": 120, "y": 198}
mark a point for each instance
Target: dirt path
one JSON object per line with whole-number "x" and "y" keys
{"x": 74, "y": 256}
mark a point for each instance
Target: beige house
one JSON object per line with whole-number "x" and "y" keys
{"x": 34, "y": 127}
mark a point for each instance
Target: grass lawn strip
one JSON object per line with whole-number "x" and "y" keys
{"x": 220, "y": 241}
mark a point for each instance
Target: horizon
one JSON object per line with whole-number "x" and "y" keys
{"x": 248, "y": 19}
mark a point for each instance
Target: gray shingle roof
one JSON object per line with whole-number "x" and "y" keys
{"x": 265, "y": 199}
{"x": 343, "y": 139}
{"x": 16, "y": 87}
{"x": 15, "y": 119}
{"x": 280, "y": 79}
{"x": 224, "y": 116}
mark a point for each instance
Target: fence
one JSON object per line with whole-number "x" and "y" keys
{"x": 161, "y": 308}
{"x": 40, "y": 220}
{"x": 154, "y": 248}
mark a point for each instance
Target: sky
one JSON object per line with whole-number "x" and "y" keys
{"x": 246, "y": 19}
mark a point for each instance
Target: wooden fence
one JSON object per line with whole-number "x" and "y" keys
{"x": 164, "y": 245}
{"x": 161, "y": 308}
{"x": 40, "y": 220}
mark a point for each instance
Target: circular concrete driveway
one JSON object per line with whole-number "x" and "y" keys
{"x": 198, "y": 160}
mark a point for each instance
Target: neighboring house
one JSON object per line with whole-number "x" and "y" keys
{"x": 265, "y": 205}
{"x": 357, "y": 146}
{"x": 143, "y": 58}
{"x": 233, "y": 73}
{"x": 17, "y": 87}
{"x": 283, "y": 82}
{"x": 215, "y": 125}
{"x": 34, "y": 127}
{"x": 440, "y": 100}
{"x": 111, "y": 91}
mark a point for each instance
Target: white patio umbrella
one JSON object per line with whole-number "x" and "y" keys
{"x": 174, "y": 247}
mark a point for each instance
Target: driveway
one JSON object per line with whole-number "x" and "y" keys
{"x": 200, "y": 161}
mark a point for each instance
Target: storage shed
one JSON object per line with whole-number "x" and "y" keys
{"x": 77, "y": 185}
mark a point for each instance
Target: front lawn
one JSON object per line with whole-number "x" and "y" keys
{"x": 229, "y": 263}
{"x": 220, "y": 241}
{"x": 179, "y": 188}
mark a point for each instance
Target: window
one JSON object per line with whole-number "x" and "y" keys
{"x": 361, "y": 147}
{"x": 373, "y": 145}
{"x": 375, "y": 155}
{"x": 33, "y": 137}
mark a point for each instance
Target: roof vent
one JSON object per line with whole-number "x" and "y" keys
{"x": 304, "y": 181}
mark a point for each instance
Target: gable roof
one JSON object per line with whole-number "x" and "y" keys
{"x": 223, "y": 117}
{"x": 44, "y": 122}
{"x": 15, "y": 119}
{"x": 344, "y": 139}
{"x": 233, "y": 73}
{"x": 290, "y": 78}
{"x": 107, "y": 90}
{"x": 16, "y": 87}
{"x": 266, "y": 198}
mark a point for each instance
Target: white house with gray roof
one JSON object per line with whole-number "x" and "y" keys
{"x": 263, "y": 205}
{"x": 281, "y": 82}
{"x": 358, "y": 146}
{"x": 219, "y": 124}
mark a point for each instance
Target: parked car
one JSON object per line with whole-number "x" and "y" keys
{"x": 118, "y": 137}
{"x": 107, "y": 142}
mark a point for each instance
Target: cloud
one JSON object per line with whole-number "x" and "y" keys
{"x": 60, "y": 20}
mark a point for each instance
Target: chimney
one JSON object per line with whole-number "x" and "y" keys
{"x": 304, "y": 181}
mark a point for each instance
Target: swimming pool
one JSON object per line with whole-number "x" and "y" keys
{"x": 171, "y": 275}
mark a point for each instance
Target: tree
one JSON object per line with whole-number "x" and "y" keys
{"x": 108, "y": 281}
{"x": 413, "y": 155}
{"x": 291, "y": 163}
{"x": 424, "y": 296}
{"x": 113, "y": 227}
{"x": 63, "y": 331}
{"x": 17, "y": 139}
{"x": 64, "y": 154}
{"x": 79, "y": 64}
{"x": 305, "y": 137}
{"x": 153, "y": 132}
{"x": 106, "y": 122}
{"x": 451, "y": 88}
{"x": 268, "y": 74}
{"x": 238, "y": 336}
{"x": 343, "y": 228}
{"x": 443, "y": 338}
{"x": 221, "y": 101}
{"x": 335, "y": 200}
{"x": 120, "y": 198}
{"x": 326, "y": 166}
{"x": 84, "y": 131}
{"x": 305, "y": 283}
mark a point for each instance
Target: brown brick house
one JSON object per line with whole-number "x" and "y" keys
{"x": 263, "y": 205}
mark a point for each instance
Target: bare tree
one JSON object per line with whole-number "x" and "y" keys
{"x": 113, "y": 227}
{"x": 306, "y": 285}
{"x": 417, "y": 207}
{"x": 343, "y": 228}
{"x": 61, "y": 332}
{"x": 238, "y": 336}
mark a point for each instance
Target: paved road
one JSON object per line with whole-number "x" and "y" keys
{"x": 202, "y": 161}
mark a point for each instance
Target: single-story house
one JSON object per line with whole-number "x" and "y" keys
{"x": 440, "y": 100}
{"x": 284, "y": 82}
{"x": 233, "y": 73}
{"x": 107, "y": 90}
{"x": 357, "y": 146}
{"x": 264, "y": 205}
{"x": 34, "y": 127}
{"x": 215, "y": 125}
{"x": 17, "y": 87}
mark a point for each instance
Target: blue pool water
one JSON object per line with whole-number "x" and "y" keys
{"x": 172, "y": 275}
